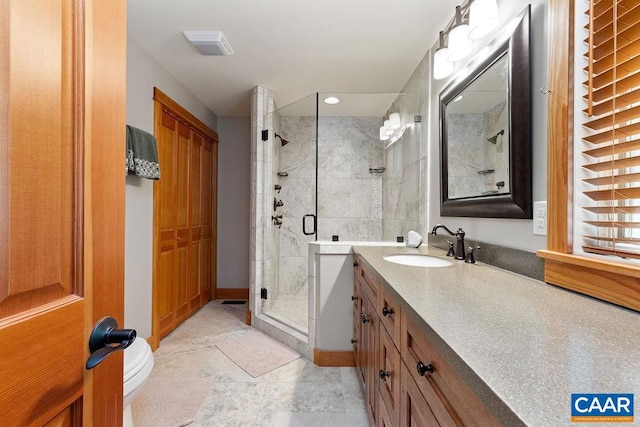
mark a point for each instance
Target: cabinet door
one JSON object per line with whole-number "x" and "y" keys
{"x": 195, "y": 217}
{"x": 371, "y": 329}
{"x": 384, "y": 419}
{"x": 357, "y": 329}
{"x": 166, "y": 252}
{"x": 208, "y": 255}
{"x": 389, "y": 374}
{"x": 414, "y": 411}
{"x": 182, "y": 225}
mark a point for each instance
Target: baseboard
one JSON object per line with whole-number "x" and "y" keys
{"x": 232, "y": 293}
{"x": 248, "y": 318}
{"x": 333, "y": 358}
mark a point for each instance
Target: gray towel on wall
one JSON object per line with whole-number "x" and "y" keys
{"x": 142, "y": 154}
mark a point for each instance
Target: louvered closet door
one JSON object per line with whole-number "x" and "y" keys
{"x": 166, "y": 237}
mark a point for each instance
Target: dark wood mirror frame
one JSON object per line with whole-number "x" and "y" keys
{"x": 518, "y": 203}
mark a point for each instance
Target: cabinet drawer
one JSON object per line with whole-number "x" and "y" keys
{"x": 450, "y": 400}
{"x": 369, "y": 283}
{"x": 389, "y": 312}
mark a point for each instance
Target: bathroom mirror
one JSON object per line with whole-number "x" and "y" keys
{"x": 485, "y": 132}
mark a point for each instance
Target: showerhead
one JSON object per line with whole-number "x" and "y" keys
{"x": 284, "y": 141}
{"x": 494, "y": 138}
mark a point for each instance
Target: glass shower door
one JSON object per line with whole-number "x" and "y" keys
{"x": 290, "y": 211}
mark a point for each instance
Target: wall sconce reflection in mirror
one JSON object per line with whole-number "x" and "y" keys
{"x": 473, "y": 19}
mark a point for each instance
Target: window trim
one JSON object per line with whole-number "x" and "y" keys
{"x": 610, "y": 280}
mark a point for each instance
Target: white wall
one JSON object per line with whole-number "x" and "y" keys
{"x": 143, "y": 73}
{"x": 234, "y": 171}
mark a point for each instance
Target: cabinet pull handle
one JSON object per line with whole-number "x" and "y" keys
{"x": 353, "y": 298}
{"x": 382, "y": 374}
{"x": 422, "y": 369}
{"x": 387, "y": 311}
{"x": 353, "y": 341}
{"x": 364, "y": 318}
{"x": 355, "y": 264}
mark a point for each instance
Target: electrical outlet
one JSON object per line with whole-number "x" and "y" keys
{"x": 540, "y": 218}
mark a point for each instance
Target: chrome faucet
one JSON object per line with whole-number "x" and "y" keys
{"x": 459, "y": 247}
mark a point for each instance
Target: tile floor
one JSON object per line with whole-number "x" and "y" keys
{"x": 194, "y": 384}
{"x": 293, "y": 310}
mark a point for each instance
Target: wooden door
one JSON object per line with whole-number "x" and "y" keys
{"x": 181, "y": 288}
{"x": 165, "y": 238}
{"x": 62, "y": 130}
{"x": 195, "y": 214}
{"x": 184, "y": 215}
{"x": 208, "y": 255}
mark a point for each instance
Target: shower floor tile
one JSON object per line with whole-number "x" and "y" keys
{"x": 292, "y": 310}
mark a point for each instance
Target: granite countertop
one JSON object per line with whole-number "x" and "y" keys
{"x": 522, "y": 346}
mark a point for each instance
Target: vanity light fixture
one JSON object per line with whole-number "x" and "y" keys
{"x": 483, "y": 18}
{"x": 383, "y": 134}
{"x": 442, "y": 67}
{"x": 473, "y": 19}
{"x": 460, "y": 45}
{"x": 387, "y": 127}
{"x": 394, "y": 121}
{"x": 392, "y": 129}
{"x": 331, "y": 100}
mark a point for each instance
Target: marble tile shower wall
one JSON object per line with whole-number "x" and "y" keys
{"x": 272, "y": 244}
{"x": 297, "y": 159}
{"x": 497, "y": 155}
{"x": 349, "y": 197}
{"x": 466, "y": 155}
{"x": 470, "y": 152}
{"x": 405, "y": 178}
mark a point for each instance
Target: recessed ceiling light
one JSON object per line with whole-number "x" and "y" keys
{"x": 331, "y": 100}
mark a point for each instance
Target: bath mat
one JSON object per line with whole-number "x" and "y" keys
{"x": 255, "y": 352}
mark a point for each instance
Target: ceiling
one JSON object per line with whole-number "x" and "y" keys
{"x": 293, "y": 47}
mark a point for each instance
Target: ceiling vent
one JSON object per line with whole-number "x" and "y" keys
{"x": 209, "y": 42}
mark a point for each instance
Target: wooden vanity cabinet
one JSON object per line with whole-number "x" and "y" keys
{"x": 407, "y": 381}
{"x": 450, "y": 399}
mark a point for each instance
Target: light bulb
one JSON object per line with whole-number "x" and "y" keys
{"x": 394, "y": 121}
{"x": 442, "y": 67}
{"x": 483, "y": 18}
{"x": 460, "y": 45}
{"x": 383, "y": 134}
{"x": 387, "y": 127}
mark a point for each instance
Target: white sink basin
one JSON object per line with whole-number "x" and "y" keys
{"x": 417, "y": 260}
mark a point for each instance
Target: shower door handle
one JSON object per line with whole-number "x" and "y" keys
{"x": 304, "y": 224}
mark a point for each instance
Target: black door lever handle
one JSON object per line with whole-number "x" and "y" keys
{"x": 106, "y": 339}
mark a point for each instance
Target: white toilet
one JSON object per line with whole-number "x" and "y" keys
{"x": 138, "y": 363}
